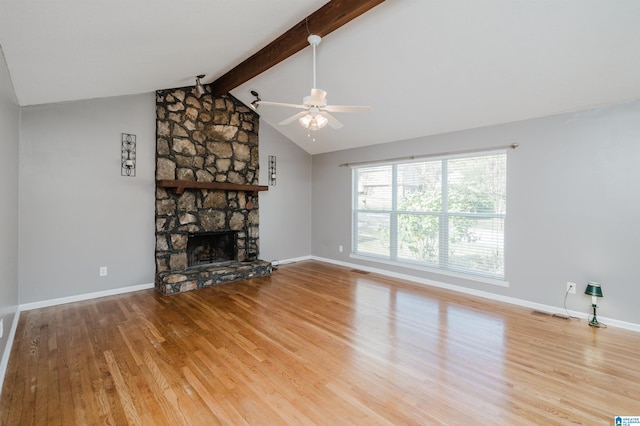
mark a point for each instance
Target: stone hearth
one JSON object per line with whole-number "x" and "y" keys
{"x": 206, "y": 276}
{"x": 205, "y": 140}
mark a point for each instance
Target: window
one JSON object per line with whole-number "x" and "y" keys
{"x": 445, "y": 213}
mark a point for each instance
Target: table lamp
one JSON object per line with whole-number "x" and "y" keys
{"x": 594, "y": 290}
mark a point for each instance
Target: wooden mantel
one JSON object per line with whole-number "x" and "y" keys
{"x": 181, "y": 185}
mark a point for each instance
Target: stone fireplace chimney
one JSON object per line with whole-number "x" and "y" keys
{"x": 207, "y": 182}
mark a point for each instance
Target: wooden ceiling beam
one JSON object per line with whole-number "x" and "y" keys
{"x": 323, "y": 21}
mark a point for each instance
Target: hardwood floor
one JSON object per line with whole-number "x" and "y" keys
{"x": 315, "y": 344}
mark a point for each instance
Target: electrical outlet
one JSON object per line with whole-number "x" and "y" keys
{"x": 103, "y": 271}
{"x": 340, "y": 249}
{"x": 571, "y": 287}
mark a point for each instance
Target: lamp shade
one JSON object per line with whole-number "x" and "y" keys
{"x": 318, "y": 122}
{"x": 593, "y": 289}
{"x": 305, "y": 120}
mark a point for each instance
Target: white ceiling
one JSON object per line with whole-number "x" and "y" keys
{"x": 80, "y": 49}
{"x": 425, "y": 66}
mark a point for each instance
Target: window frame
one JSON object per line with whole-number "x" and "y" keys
{"x": 442, "y": 266}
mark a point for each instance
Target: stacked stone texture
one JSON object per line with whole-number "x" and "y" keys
{"x": 203, "y": 139}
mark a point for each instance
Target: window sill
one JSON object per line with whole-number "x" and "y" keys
{"x": 476, "y": 278}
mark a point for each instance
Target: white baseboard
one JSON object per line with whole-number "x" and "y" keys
{"x": 511, "y": 300}
{"x": 80, "y": 297}
{"x": 4, "y": 361}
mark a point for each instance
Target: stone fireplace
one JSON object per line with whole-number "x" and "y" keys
{"x": 207, "y": 207}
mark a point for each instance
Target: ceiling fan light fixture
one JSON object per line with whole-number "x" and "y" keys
{"x": 313, "y": 121}
{"x": 316, "y": 112}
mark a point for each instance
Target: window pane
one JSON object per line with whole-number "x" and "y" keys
{"x": 372, "y": 233}
{"x": 374, "y": 188}
{"x": 477, "y": 184}
{"x": 418, "y": 237}
{"x": 477, "y": 245}
{"x": 420, "y": 186}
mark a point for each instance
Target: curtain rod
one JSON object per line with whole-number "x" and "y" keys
{"x": 439, "y": 154}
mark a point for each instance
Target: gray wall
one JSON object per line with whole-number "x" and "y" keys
{"x": 571, "y": 203}
{"x": 9, "y": 140}
{"x": 572, "y": 206}
{"x": 76, "y": 212}
{"x": 285, "y": 210}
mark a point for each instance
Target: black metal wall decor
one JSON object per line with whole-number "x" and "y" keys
{"x": 128, "y": 155}
{"x": 272, "y": 170}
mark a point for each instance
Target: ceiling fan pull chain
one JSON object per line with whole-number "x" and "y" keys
{"x": 313, "y": 138}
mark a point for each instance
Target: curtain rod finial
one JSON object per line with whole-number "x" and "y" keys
{"x": 514, "y": 145}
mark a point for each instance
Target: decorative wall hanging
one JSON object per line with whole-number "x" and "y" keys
{"x": 128, "y": 165}
{"x": 272, "y": 170}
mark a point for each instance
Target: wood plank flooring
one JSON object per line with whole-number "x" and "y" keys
{"x": 315, "y": 344}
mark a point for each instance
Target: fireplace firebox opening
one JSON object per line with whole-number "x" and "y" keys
{"x": 212, "y": 248}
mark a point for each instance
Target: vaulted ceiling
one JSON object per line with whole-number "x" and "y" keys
{"x": 425, "y": 66}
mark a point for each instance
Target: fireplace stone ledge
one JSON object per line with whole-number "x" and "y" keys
{"x": 193, "y": 278}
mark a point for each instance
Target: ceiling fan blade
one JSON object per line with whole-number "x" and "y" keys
{"x": 346, "y": 108}
{"x": 281, "y": 104}
{"x": 293, "y": 118}
{"x": 333, "y": 122}
{"x": 318, "y": 96}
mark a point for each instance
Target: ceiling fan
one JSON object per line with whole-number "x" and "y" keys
{"x": 316, "y": 111}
